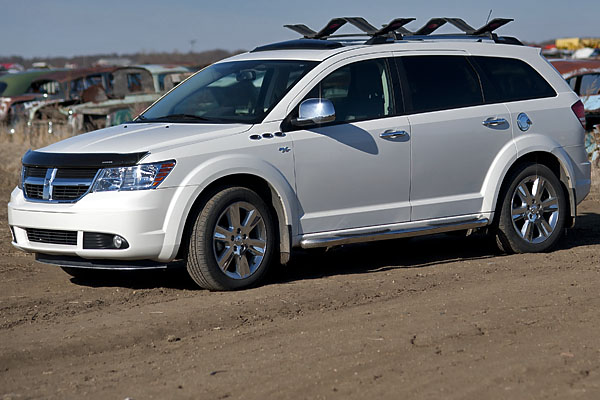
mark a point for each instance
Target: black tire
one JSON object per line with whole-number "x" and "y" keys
{"x": 540, "y": 215}
{"x": 226, "y": 254}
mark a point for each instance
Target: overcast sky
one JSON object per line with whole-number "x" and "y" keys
{"x": 40, "y": 28}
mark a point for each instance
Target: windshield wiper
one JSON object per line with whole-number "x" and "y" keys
{"x": 175, "y": 117}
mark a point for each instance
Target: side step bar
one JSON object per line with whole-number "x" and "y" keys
{"x": 327, "y": 239}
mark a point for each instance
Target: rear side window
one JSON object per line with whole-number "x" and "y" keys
{"x": 440, "y": 82}
{"x": 509, "y": 79}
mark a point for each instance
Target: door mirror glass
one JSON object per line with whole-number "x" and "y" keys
{"x": 315, "y": 111}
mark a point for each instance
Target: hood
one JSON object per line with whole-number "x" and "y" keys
{"x": 138, "y": 137}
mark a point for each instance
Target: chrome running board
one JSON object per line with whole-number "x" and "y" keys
{"x": 360, "y": 235}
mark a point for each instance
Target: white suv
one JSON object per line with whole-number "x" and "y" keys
{"x": 316, "y": 142}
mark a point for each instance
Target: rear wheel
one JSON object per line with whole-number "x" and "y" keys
{"x": 534, "y": 210}
{"x": 232, "y": 241}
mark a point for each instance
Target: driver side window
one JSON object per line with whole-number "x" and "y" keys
{"x": 358, "y": 91}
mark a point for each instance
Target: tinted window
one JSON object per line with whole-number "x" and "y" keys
{"x": 572, "y": 82}
{"x": 509, "y": 79}
{"x": 441, "y": 82}
{"x": 590, "y": 85}
{"x": 358, "y": 91}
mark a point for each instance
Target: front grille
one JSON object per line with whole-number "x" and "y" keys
{"x": 52, "y": 236}
{"x": 68, "y": 192}
{"x": 34, "y": 191}
{"x": 63, "y": 184}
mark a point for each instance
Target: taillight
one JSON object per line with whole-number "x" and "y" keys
{"x": 579, "y": 111}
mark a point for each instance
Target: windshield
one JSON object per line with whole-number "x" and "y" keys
{"x": 238, "y": 92}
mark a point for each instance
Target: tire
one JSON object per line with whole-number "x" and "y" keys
{"x": 232, "y": 241}
{"x": 533, "y": 211}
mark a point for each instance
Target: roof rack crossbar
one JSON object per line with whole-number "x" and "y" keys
{"x": 362, "y": 24}
{"x": 302, "y": 29}
{"x": 396, "y": 27}
{"x": 327, "y": 31}
{"x": 432, "y": 25}
{"x": 461, "y": 24}
{"x": 492, "y": 26}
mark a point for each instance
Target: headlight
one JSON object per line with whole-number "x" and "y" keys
{"x": 138, "y": 177}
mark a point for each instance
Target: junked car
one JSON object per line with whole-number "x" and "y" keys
{"x": 584, "y": 78}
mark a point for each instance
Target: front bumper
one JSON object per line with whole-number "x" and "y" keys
{"x": 141, "y": 217}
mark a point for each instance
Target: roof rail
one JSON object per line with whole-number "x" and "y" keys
{"x": 395, "y": 29}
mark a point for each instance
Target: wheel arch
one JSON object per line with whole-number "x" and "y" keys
{"x": 556, "y": 159}
{"x": 259, "y": 176}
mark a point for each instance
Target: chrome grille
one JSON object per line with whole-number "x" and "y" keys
{"x": 57, "y": 184}
{"x": 34, "y": 191}
{"x": 52, "y": 236}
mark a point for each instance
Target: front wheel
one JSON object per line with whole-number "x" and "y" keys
{"x": 232, "y": 241}
{"x": 533, "y": 211}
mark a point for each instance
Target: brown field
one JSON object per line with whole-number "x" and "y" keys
{"x": 430, "y": 318}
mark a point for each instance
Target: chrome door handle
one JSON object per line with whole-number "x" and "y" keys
{"x": 393, "y": 134}
{"x": 494, "y": 122}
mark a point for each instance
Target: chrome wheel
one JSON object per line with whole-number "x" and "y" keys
{"x": 535, "y": 209}
{"x": 239, "y": 240}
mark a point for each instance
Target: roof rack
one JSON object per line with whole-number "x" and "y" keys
{"x": 395, "y": 30}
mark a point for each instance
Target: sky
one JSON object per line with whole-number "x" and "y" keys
{"x": 50, "y": 28}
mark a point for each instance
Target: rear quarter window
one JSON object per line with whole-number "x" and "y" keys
{"x": 509, "y": 79}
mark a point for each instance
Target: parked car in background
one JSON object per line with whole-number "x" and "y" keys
{"x": 61, "y": 88}
{"x": 161, "y": 72}
{"x": 583, "y": 77}
{"x": 131, "y": 91}
{"x": 21, "y": 87}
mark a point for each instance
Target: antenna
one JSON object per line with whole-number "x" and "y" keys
{"x": 489, "y": 15}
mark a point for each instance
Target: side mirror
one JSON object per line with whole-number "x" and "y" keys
{"x": 315, "y": 111}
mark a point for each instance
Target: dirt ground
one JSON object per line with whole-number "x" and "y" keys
{"x": 438, "y": 317}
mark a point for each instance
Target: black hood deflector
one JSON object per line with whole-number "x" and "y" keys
{"x": 81, "y": 160}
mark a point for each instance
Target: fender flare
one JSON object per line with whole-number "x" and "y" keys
{"x": 220, "y": 167}
{"x": 515, "y": 151}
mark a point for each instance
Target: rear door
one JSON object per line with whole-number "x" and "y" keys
{"x": 455, "y": 136}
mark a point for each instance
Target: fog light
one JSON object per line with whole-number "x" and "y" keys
{"x": 118, "y": 241}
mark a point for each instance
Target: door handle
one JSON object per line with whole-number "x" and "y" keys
{"x": 393, "y": 134}
{"x": 494, "y": 122}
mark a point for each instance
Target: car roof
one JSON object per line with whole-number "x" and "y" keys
{"x": 449, "y": 44}
{"x": 569, "y": 68}
{"x": 18, "y": 83}
{"x": 162, "y": 68}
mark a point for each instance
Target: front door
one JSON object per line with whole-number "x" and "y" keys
{"x": 354, "y": 172}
